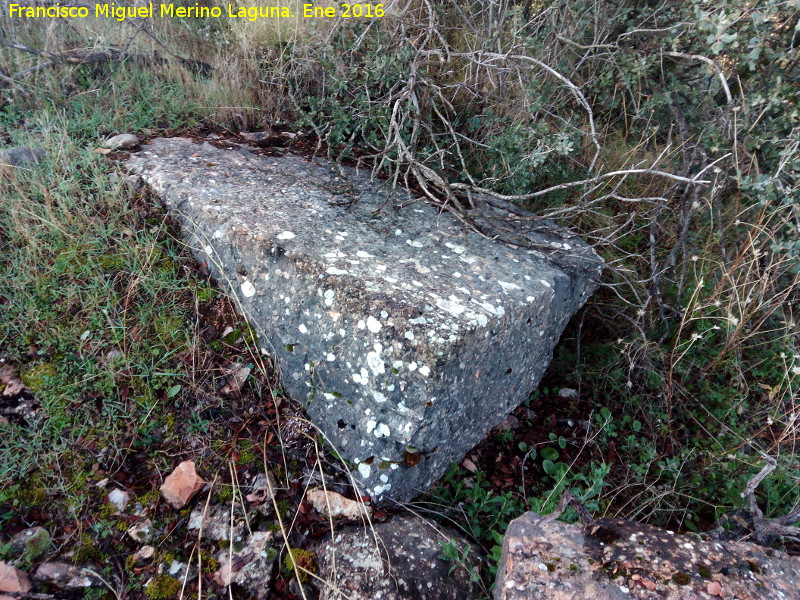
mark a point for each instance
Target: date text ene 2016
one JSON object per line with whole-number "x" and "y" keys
{"x": 347, "y": 11}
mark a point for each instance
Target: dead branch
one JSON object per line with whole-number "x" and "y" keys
{"x": 487, "y": 58}
{"x": 568, "y": 499}
{"x": 81, "y": 57}
{"x": 767, "y": 531}
{"x": 571, "y": 184}
{"x": 713, "y": 65}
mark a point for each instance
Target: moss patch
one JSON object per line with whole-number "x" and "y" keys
{"x": 303, "y": 559}
{"x": 162, "y": 587}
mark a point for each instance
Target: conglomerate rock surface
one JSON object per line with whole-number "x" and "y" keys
{"x": 614, "y": 559}
{"x": 396, "y": 560}
{"x": 407, "y": 336}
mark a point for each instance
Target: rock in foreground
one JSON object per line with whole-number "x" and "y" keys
{"x": 397, "y": 560}
{"x": 21, "y": 155}
{"x": 123, "y": 141}
{"x": 407, "y": 337}
{"x": 619, "y": 560}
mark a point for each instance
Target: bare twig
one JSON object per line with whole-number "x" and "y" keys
{"x": 710, "y": 62}
{"x": 767, "y": 531}
{"x": 80, "y": 57}
{"x": 568, "y": 499}
{"x": 563, "y": 186}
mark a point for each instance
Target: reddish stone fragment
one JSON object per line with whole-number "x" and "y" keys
{"x": 13, "y": 580}
{"x": 714, "y": 589}
{"x": 181, "y": 485}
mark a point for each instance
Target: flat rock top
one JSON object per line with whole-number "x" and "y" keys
{"x": 395, "y": 560}
{"x": 303, "y": 209}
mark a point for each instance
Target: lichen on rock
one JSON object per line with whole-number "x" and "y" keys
{"x": 396, "y": 326}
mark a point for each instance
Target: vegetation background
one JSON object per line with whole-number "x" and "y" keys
{"x": 666, "y": 133}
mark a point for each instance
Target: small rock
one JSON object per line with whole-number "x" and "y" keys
{"x": 124, "y": 141}
{"x": 223, "y": 577}
{"x": 568, "y": 393}
{"x": 714, "y": 589}
{"x": 66, "y": 575}
{"x": 396, "y": 560}
{"x": 143, "y": 554}
{"x": 182, "y": 571}
{"x": 16, "y": 157}
{"x": 214, "y": 523}
{"x": 13, "y": 580}
{"x": 31, "y": 543}
{"x": 510, "y": 422}
{"x": 332, "y": 504}
{"x": 134, "y": 183}
{"x": 262, "y": 491}
{"x": 181, "y": 485}
{"x": 119, "y": 498}
{"x": 251, "y": 566}
{"x": 142, "y": 531}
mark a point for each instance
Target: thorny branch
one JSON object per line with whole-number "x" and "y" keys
{"x": 421, "y": 143}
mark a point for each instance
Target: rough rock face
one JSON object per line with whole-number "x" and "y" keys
{"x": 66, "y": 575}
{"x": 616, "y": 560}
{"x": 398, "y": 560}
{"x": 407, "y": 337}
{"x": 21, "y": 155}
{"x": 249, "y": 565}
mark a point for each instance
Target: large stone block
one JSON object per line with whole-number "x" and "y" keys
{"x": 615, "y": 559}
{"x": 406, "y": 336}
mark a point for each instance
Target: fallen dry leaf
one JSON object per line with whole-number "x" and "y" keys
{"x": 11, "y": 380}
{"x": 262, "y": 489}
{"x": 237, "y": 375}
{"x": 469, "y": 465}
{"x": 181, "y": 485}
{"x": 143, "y": 554}
{"x": 102, "y": 150}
